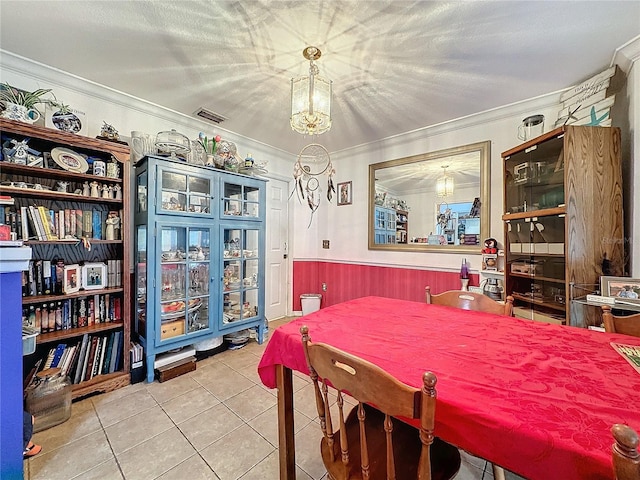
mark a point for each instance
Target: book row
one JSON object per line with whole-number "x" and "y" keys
{"x": 54, "y": 277}
{"x": 40, "y": 223}
{"x": 91, "y": 356}
{"x": 73, "y": 313}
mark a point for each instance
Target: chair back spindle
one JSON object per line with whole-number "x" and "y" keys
{"x": 370, "y": 439}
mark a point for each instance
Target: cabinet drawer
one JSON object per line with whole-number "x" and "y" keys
{"x": 172, "y": 329}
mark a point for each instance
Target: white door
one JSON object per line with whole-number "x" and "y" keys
{"x": 277, "y": 233}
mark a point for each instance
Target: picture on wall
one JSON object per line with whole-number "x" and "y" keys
{"x": 344, "y": 193}
{"x": 623, "y": 289}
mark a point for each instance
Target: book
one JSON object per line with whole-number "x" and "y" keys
{"x": 117, "y": 346}
{"x": 87, "y": 224}
{"x": 37, "y": 222}
{"x": 99, "y": 355}
{"x": 25, "y": 220}
{"x": 46, "y": 277}
{"x": 97, "y": 224}
{"x": 77, "y": 213}
{"x": 85, "y": 364}
{"x": 631, "y": 353}
{"x": 58, "y": 354}
{"x": 81, "y": 358}
{"x": 71, "y": 359}
{"x": 100, "y": 364}
{"x": 107, "y": 356}
{"x": 91, "y": 359}
{"x": 47, "y": 223}
{"x": 38, "y": 274}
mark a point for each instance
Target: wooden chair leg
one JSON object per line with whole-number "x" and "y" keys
{"x": 498, "y": 472}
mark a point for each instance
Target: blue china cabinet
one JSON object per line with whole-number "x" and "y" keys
{"x": 199, "y": 254}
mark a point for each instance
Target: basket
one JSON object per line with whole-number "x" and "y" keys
{"x": 28, "y": 340}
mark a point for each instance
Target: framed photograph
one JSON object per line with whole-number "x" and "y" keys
{"x": 71, "y": 278}
{"x": 623, "y": 289}
{"x": 94, "y": 276}
{"x": 344, "y": 193}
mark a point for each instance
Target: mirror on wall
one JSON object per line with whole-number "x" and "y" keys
{"x": 433, "y": 202}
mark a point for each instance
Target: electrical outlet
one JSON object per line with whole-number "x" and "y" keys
{"x": 325, "y": 244}
{"x": 324, "y": 287}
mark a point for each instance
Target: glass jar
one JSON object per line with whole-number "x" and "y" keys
{"x": 49, "y": 399}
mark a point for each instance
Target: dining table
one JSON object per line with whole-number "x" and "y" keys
{"x": 537, "y": 399}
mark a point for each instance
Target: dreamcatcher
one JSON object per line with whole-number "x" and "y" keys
{"x": 313, "y": 161}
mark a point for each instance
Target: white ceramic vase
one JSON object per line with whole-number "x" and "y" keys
{"x": 13, "y": 111}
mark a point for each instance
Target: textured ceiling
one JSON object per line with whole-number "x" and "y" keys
{"x": 396, "y": 65}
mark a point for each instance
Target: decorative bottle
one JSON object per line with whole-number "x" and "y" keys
{"x": 464, "y": 275}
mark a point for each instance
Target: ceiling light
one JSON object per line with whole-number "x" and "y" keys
{"x": 444, "y": 185}
{"x": 311, "y": 99}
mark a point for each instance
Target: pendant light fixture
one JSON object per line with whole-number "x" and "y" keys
{"x": 311, "y": 99}
{"x": 444, "y": 185}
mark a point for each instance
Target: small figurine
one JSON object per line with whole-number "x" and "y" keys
{"x": 86, "y": 189}
{"x": 20, "y": 152}
{"x": 61, "y": 186}
{"x": 95, "y": 186}
{"x": 113, "y": 224}
{"x": 105, "y": 191}
{"x": 490, "y": 246}
{"x": 108, "y": 131}
{"x": 117, "y": 189}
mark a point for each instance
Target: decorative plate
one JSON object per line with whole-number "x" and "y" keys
{"x": 69, "y": 160}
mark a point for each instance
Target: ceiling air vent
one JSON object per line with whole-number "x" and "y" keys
{"x": 209, "y": 115}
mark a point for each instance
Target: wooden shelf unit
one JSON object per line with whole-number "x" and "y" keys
{"x": 75, "y": 250}
{"x": 563, "y": 217}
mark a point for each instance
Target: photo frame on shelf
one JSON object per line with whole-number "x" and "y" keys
{"x": 344, "y": 193}
{"x": 623, "y": 289}
{"x": 94, "y": 276}
{"x": 71, "y": 278}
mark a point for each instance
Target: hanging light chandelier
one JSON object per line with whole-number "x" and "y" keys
{"x": 311, "y": 99}
{"x": 444, "y": 185}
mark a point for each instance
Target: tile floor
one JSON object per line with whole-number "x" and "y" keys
{"x": 217, "y": 422}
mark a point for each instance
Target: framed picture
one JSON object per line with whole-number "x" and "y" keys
{"x": 94, "y": 276}
{"x": 71, "y": 278}
{"x": 344, "y": 193}
{"x": 623, "y": 289}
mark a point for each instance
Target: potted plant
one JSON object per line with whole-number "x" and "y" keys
{"x": 20, "y": 104}
{"x": 209, "y": 145}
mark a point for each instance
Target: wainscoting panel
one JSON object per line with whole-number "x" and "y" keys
{"x": 347, "y": 281}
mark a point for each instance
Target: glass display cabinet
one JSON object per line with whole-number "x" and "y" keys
{"x": 199, "y": 268}
{"x": 563, "y": 217}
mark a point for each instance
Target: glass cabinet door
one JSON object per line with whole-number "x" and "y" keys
{"x": 140, "y": 320}
{"x": 536, "y": 263}
{"x": 240, "y": 200}
{"x": 184, "y": 281}
{"x": 182, "y": 192}
{"x": 535, "y": 177}
{"x": 240, "y": 274}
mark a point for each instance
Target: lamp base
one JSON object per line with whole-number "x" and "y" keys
{"x": 465, "y": 284}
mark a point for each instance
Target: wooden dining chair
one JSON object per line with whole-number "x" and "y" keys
{"x": 369, "y": 443}
{"x": 626, "y": 459}
{"x": 470, "y": 301}
{"x": 629, "y": 325}
{"x": 480, "y": 303}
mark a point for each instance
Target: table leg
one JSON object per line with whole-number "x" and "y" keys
{"x": 286, "y": 440}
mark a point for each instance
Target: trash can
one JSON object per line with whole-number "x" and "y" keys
{"x": 310, "y": 302}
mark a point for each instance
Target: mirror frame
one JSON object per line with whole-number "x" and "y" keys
{"x": 484, "y": 148}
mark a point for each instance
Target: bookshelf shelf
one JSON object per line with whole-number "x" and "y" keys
{"x": 55, "y": 298}
{"x": 74, "y": 332}
{"x": 66, "y": 227}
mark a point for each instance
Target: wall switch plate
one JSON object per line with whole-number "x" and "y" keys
{"x": 325, "y": 243}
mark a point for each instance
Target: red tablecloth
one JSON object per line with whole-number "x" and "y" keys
{"x": 535, "y": 398}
